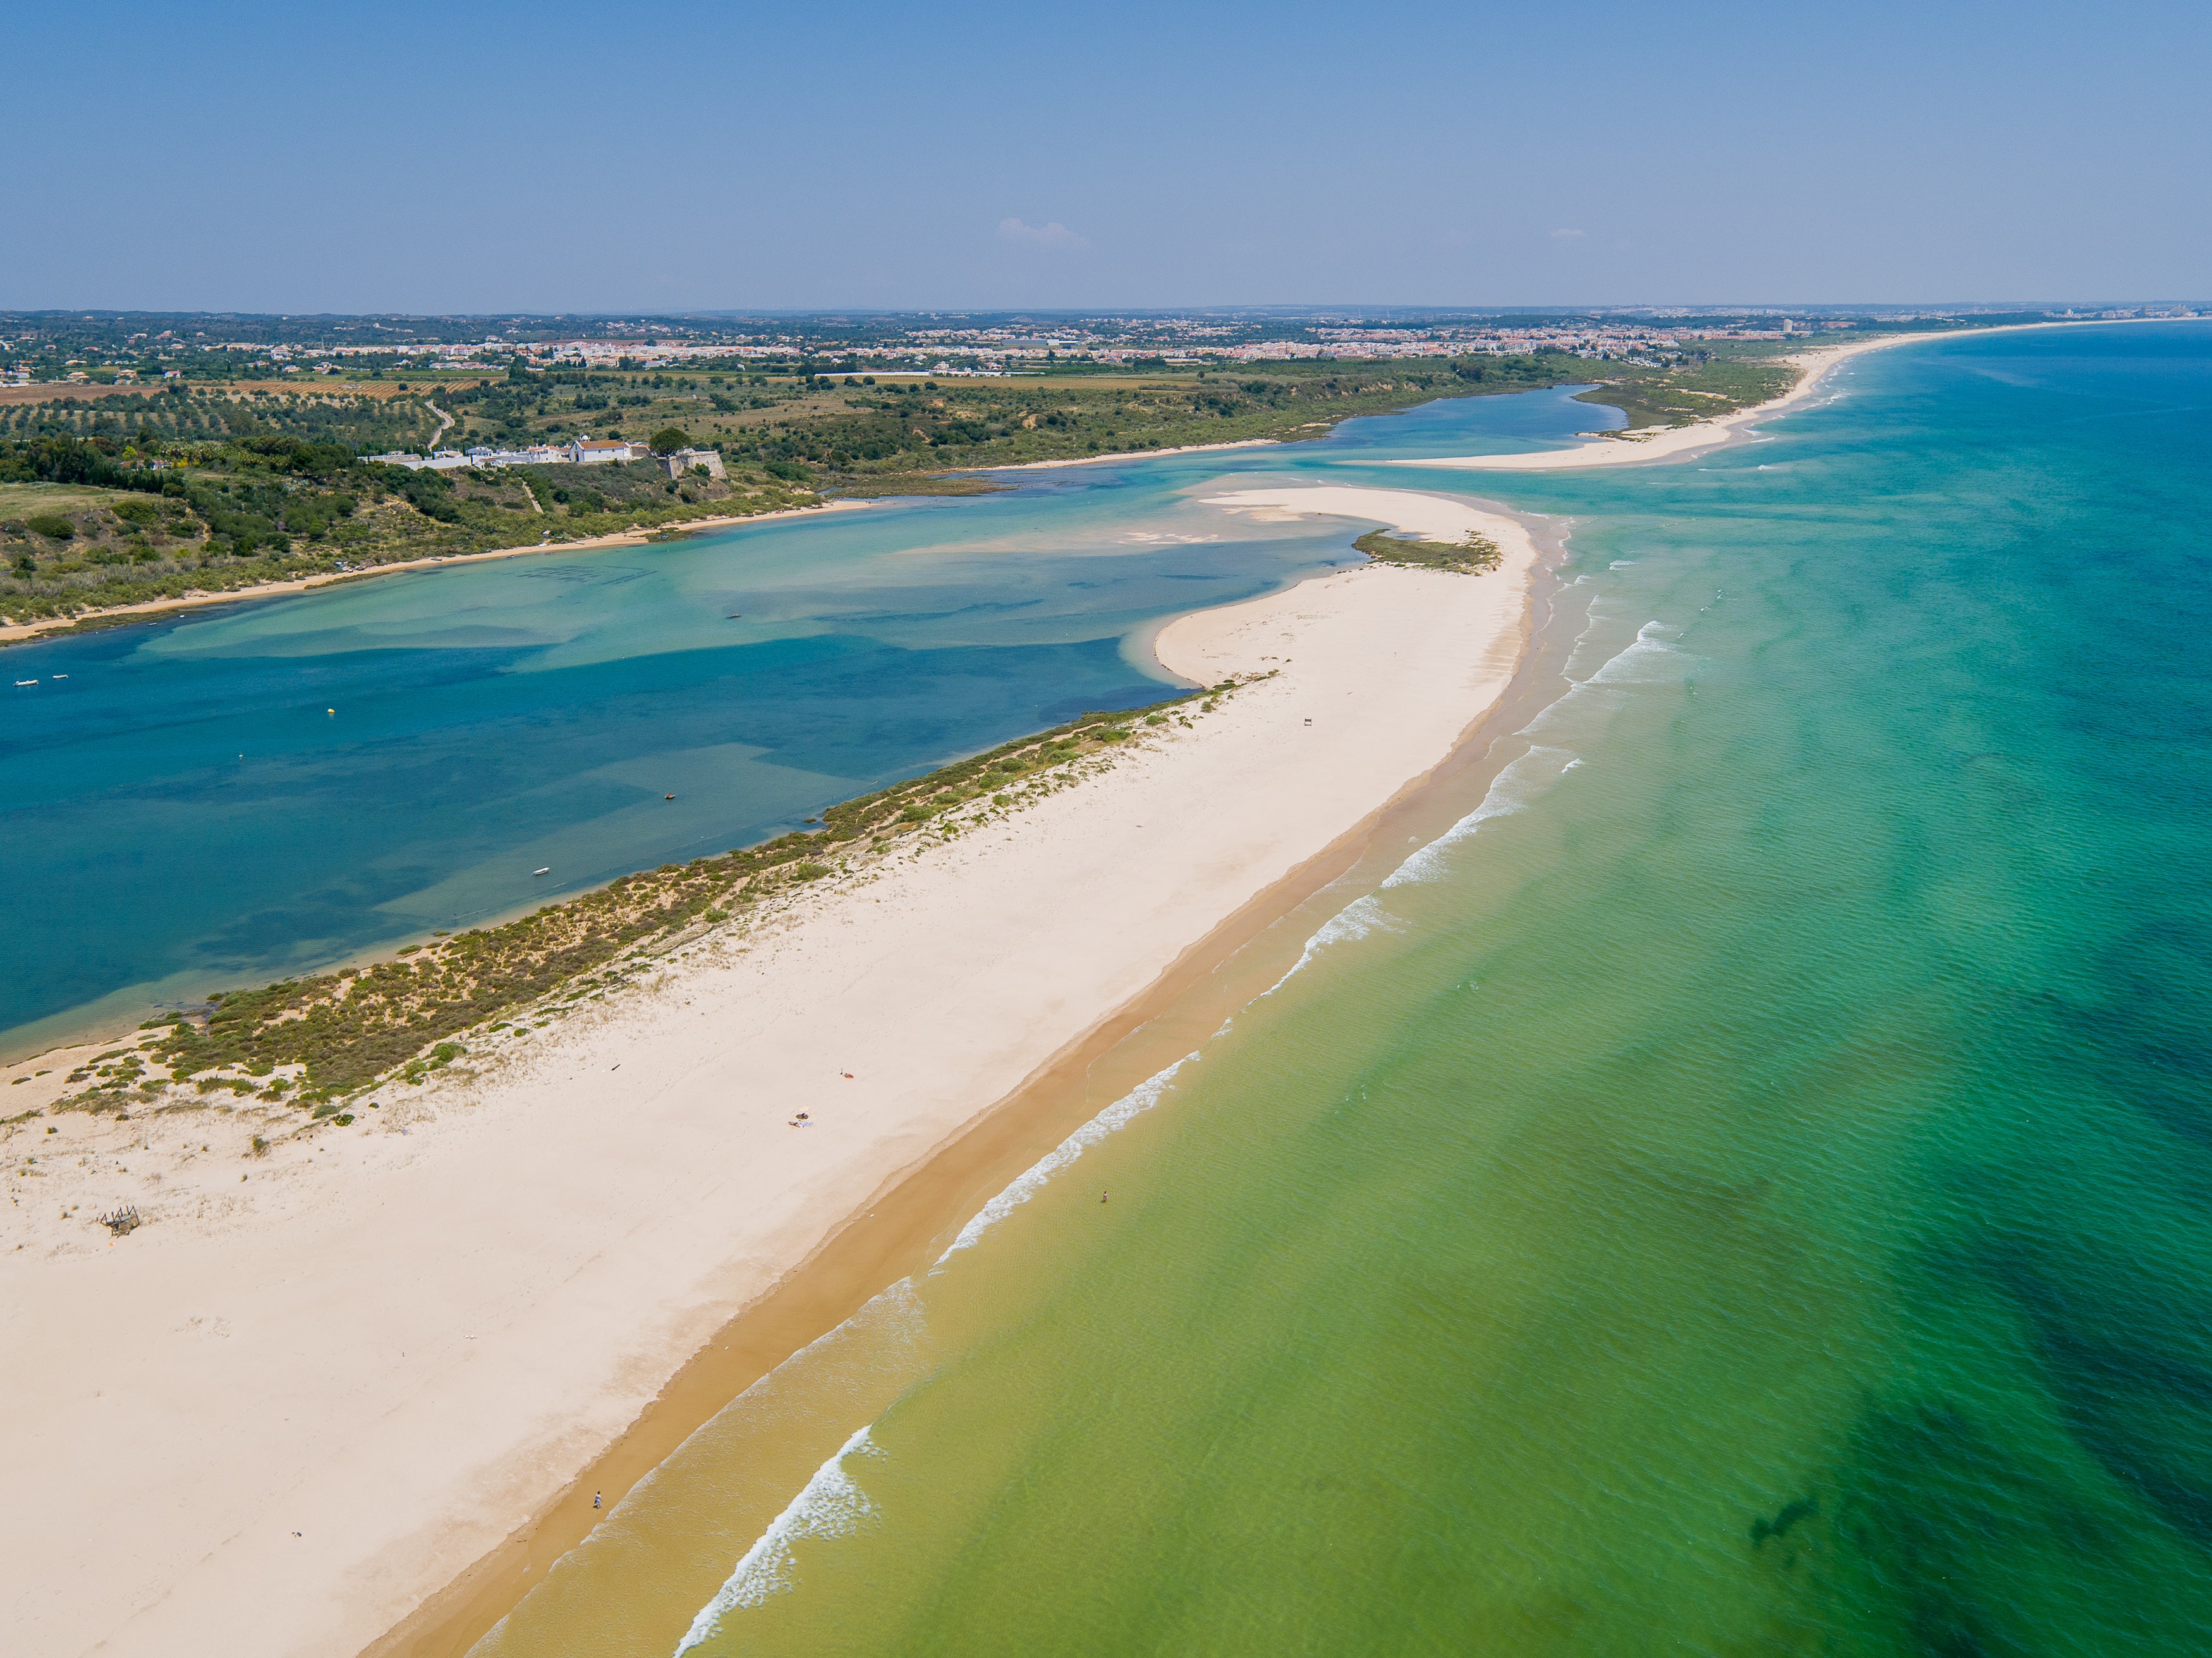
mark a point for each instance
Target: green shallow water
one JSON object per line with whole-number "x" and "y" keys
{"x": 1745, "y": 1189}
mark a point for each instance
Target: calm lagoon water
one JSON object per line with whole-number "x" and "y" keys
{"x": 1747, "y": 1190}
{"x": 201, "y": 802}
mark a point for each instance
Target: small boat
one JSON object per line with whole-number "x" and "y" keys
{"x": 60, "y": 676}
{"x": 27, "y": 682}
{"x": 548, "y": 870}
{"x": 737, "y": 616}
{"x": 668, "y": 796}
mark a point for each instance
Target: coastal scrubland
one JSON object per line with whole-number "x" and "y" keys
{"x": 1471, "y": 555}
{"x": 95, "y": 521}
{"x": 1720, "y": 379}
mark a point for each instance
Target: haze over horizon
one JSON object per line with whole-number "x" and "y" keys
{"x": 621, "y": 158}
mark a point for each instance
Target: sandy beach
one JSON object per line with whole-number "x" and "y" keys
{"x": 1673, "y": 440}
{"x": 326, "y": 1377}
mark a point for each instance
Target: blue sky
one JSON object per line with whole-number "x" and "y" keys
{"x": 613, "y": 157}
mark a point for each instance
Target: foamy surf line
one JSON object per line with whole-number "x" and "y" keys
{"x": 1512, "y": 790}
{"x": 1143, "y": 1097}
{"x": 830, "y": 1505}
{"x": 1355, "y": 921}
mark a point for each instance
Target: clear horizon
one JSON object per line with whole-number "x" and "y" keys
{"x": 561, "y": 160}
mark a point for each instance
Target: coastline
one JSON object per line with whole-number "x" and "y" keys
{"x": 1680, "y": 441}
{"x": 24, "y": 633}
{"x": 498, "y": 1299}
{"x": 1707, "y": 435}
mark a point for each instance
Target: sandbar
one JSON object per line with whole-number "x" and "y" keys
{"x": 322, "y": 1380}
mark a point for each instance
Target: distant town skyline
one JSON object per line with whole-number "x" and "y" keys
{"x": 561, "y": 159}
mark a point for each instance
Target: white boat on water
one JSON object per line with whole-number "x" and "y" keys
{"x": 548, "y": 870}
{"x": 27, "y": 682}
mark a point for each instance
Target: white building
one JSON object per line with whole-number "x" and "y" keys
{"x": 589, "y": 452}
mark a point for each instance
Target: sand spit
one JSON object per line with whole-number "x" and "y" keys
{"x": 321, "y": 1379}
{"x": 1673, "y": 440}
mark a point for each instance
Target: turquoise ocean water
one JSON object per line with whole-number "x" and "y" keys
{"x": 1744, "y": 1187}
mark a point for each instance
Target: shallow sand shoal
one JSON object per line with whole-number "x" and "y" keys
{"x": 294, "y": 1405}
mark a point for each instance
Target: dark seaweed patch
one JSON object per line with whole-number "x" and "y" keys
{"x": 1803, "y": 1509}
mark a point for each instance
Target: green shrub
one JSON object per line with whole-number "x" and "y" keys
{"x": 809, "y": 871}
{"x": 52, "y": 525}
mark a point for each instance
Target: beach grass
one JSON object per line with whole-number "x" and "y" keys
{"x": 1472, "y": 556}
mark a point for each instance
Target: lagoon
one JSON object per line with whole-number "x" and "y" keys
{"x": 212, "y": 800}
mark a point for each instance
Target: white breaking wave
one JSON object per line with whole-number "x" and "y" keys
{"x": 1355, "y": 921}
{"x": 1512, "y": 790}
{"x": 1653, "y": 640}
{"x": 1143, "y": 1097}
{"x": 1645, "y": 660}
{"x": 1604, "y": 615}
{"x": 830, "y": 1505}
{"x": 1534, "y": 772}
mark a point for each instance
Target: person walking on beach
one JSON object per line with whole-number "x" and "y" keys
{"x": 1102, "y": 1195}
